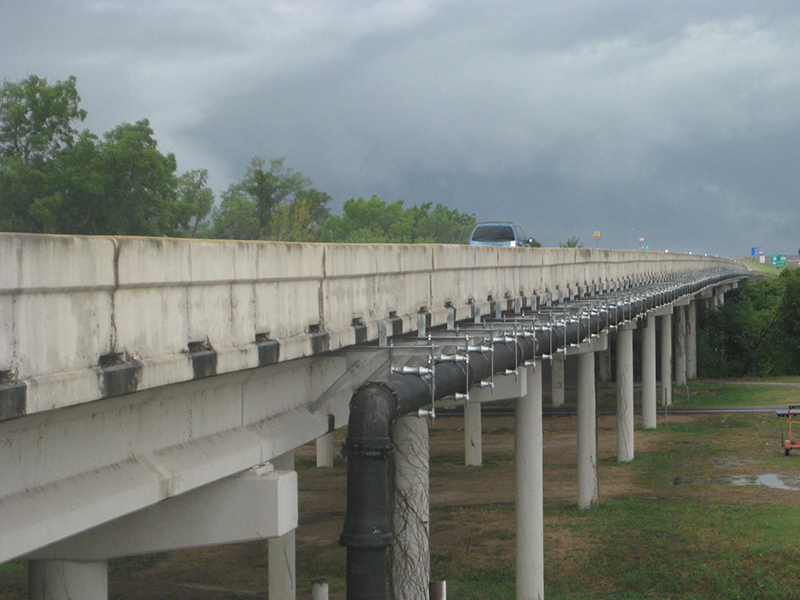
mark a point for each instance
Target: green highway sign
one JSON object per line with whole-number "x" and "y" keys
{"x": 777, "y": 260}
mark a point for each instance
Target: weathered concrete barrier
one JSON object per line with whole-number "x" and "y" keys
{"x": 83, "y": 318}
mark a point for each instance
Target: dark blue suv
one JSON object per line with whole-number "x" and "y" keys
{"x": 499, "y": 234}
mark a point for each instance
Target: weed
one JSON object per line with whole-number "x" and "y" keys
{"x": 18, "y": 566}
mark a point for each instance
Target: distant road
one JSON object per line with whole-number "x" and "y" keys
{"x": 489, "y": 411}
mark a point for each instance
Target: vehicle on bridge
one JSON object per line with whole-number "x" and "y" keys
{"x": 499, "y": 234}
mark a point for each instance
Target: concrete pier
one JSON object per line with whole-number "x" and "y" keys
{"x": 666, "y": 360}
{"x": 557, "y": 378}
{"x": 325, "y": 450}
{"x": 679, "y": 339}
{"x": 410, "y": 553}
{"x": 604, "y": 371}
{"x": 473, "y": 440}
{"x": 587, "y": 432}
{"x": 281, "y": 550}
{"x": 625, "y": 444}
{"x": 691, "y": 340}
{"x": 649, "y": 390}
{"x": 67, "y": 580}
{"x": 529, "y": 493}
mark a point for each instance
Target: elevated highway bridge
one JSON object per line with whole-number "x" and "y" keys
{"x": 152, "y": 391}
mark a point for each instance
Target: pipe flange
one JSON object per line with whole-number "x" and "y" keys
{"x": 356, "y": 450}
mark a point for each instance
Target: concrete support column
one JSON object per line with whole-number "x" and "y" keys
{"x": 529, "y": 495}
{"x": 557, "y": 378}
{"x": 649, "y": 374}
{"x": 587, "y": 432}
{"x": 410, "y": 553}
{"x": 604, "y": 365}
{"x": 625, "y": 448}
{"x": 282, "y": 574}
{"x": 680, "y": 345}
{"x": 691, "y": 341}
{"x": 325, "y": 450}
{"x": 67, "y": 580}
{"x": 473, "y": 441}
{"x": 666, "y": 360}
{"x": 319, "y": 589}
{"x": 720, "y": 298}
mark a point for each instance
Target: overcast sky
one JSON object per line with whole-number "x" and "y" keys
{"x": 676, "y": 121}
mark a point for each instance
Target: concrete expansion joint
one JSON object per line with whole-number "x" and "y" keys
{"x": 113, "y": 300}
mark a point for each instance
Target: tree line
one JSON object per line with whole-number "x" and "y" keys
{"x": 55, "y": 178}
{"x": 755, "y": 333}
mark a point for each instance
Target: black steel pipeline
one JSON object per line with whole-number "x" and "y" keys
{"x": 375, "y": 407}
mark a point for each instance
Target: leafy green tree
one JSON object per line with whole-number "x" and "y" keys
{"x": 441, "y": 225}
{"x": 69, "y": 190}
{"x": 140, "y": 182}
{"x": 192, "y": 211}
{"x": 248, "y": 207}
{"x": 121, "y": 185}
{"x": 36, "y": 118}
{"x": 301, "y": 220}
{"x": 375, "y": 221}
{"x": 36, "y": 127}
{"x": 236, "y": 218}
{"x": 790, "y": 319}
{"x": 756, "y": 332}
{"x": 54, "y": 179}
{"x": 369, "y": 221}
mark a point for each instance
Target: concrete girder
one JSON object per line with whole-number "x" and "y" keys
{"x": 598, "y": 343}
{"x": 506, "y": 387}
{"x": 69, "y": 470}
{"x": 258, "y": 504}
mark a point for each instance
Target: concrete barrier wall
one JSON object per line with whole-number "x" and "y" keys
{"x": 82, "y": 318}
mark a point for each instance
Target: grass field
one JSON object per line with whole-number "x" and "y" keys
{"x": 670, "y": 525}
{"x": 766, "y": 268}
{"x": 744, "y": 393}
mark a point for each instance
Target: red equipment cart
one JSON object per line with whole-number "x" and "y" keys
{"x": 791, "y": 412}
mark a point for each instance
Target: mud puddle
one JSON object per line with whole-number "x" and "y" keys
{"x": 778, "y": 482}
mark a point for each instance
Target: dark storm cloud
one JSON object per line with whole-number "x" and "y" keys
{"x": 675, "y": 121}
